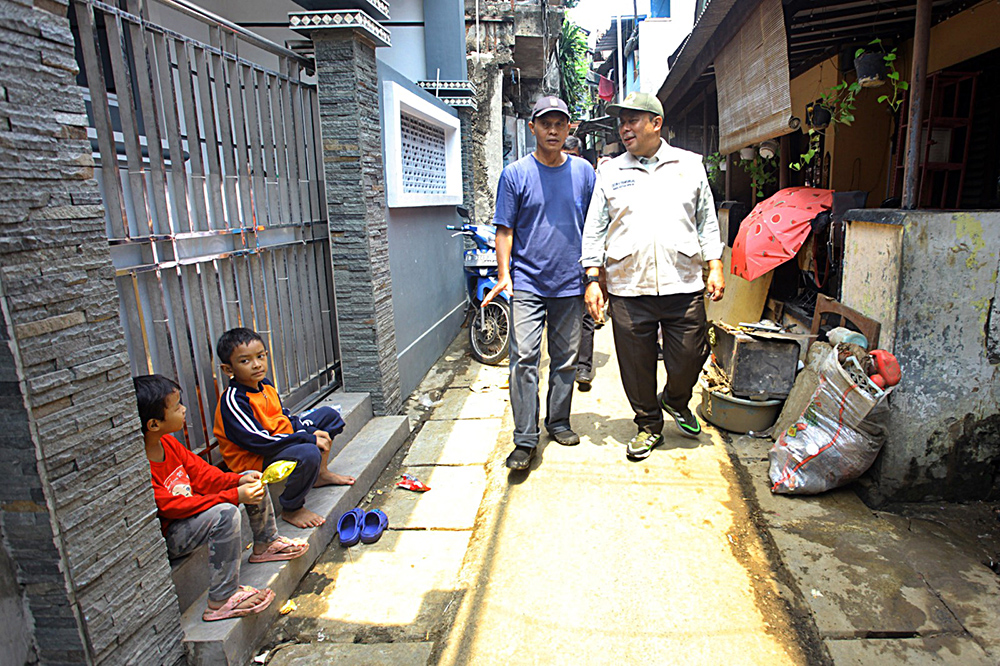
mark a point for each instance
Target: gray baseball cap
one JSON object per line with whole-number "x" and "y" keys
{"x": 547, "y": 104}
{"x": 637, "y": 101}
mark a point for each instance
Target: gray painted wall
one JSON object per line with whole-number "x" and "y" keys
{"x": 444, "y": 23}
{"x": 427, "y": 279}
{"x": 944, "y": 428}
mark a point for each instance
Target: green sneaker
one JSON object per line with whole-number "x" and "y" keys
{"x": 685, "y": 420}
{"x": 642, "y": 445}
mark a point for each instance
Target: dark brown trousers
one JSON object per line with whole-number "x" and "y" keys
{"x": 635, "y": 321}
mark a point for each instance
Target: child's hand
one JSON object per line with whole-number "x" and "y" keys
{"x": 252, "y": 493}
{"x": 323, "y": 440}
{"x": 249, "y": 477}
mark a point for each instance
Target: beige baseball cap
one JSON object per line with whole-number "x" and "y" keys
{"x": 637, "y": 101}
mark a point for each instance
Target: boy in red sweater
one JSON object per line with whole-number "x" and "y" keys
{"x": 198, "y": 504}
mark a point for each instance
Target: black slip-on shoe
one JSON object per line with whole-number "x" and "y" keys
{"x": 566, "y": 437}
{"x": 520, "y": 458}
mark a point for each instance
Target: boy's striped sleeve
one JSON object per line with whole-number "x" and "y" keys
{"x": 243, "y": 429}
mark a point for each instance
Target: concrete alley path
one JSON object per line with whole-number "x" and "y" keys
{"x": 585, "y": 559}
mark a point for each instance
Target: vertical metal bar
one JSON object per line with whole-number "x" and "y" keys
{"x": 144, "y": 64}
{"x": 113, "y": 194}
{"x": 288, "y": 323}
{"x": 131, "y": 306}
{"x": 201, "y": 347}
{"x": 258, "y": 191}
{"x": 281, "y": 148}
{"x": 225, "y": 128}
{"x": 298, "y": 141}
{"x": 307, "y": 277}
{"x": 168, "y": 94}
{"x": 246, "y": 295}
{"x": 275, "y": 306}
{"x": 242, "y": 173}
{"x": 918, "y": 79}
{"x": 270, "y": 158}
{"x": 157, "y": 320}
{"x": 291, "y": 172}
{"x": 192, "y": 127}
{"x": 130, "y": 131}
{"x": 230, "y": 294}
{"x": 214, "y": 182}
{"x": 179, "y": 326}
{"x": 316, "y": 156}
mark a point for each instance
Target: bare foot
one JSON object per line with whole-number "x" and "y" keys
{"x": 251, "y": 601}
{"x": 328, "y": 478}
{"x": 303, "y": 518}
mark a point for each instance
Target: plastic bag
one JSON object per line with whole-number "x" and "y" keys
{"x": 277, "y": 471}
{"x": 835, "y": 439}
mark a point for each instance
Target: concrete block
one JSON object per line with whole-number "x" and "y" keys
{"x": 452, "y": 502}
{"x": 379, "y": 654}
{"x": 467, "y": 404}
{"x": 466, "y": 442}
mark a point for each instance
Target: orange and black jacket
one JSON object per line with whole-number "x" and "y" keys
{"x": 250, "y": 425}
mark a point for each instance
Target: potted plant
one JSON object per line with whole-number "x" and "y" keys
{"x": 715, "y": 165}
{"x": 747, "y": 153}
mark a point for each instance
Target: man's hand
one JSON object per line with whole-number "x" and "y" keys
{"x": 252, "y": 493}
{"x": 249, "y": 477}
{"x": 504, "y": 284}
{"x": 594, "y": 299}
{"x": 323, "y": 440}
{"x": 716, "y": 285}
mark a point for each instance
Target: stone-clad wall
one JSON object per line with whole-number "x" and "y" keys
{"x": 355, "y": 192}
{"x": 76, "y": 507}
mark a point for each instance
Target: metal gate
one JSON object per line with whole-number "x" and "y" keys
{"x": 211, "y": 172}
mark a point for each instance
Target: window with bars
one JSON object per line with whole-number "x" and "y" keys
{"x": 424, "y": 156}
{"x": 423, "y": 162}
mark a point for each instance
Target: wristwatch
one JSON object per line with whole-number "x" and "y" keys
{"x": 587, "y": 279}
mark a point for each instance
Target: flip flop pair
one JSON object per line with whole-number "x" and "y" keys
{"x": 357, "y": 525}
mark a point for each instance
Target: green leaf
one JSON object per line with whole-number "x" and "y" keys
{"x": 858, "y": 53}
{"x": 875, "y": 41}
{"x": 883, "y": 98}
{"x": 889, "y": 57}
{"x": 903, "y": 85}
{"x": 894, "y": 76}
{"x": 797, "y": 167}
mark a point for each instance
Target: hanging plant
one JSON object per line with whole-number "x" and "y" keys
{"x": 761, "y": 172}
{"x": 899, "y": 86}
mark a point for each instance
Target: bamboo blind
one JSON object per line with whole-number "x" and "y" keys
{"x": 751, "y": 73}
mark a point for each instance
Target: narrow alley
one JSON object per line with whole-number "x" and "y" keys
{"x": 587, "y": 558}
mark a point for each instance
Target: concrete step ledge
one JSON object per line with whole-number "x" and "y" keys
{"x": 190, "y": 574}
{"x": 236, "y": 641}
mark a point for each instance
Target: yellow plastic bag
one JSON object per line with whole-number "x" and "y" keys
{"x": 277, "y": 471}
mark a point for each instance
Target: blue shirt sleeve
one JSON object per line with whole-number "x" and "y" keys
{"x": 505, "y": 213}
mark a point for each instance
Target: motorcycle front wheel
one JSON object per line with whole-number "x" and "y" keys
{"x": 489, "y": 333}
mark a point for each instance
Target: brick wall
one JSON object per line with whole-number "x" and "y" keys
{"x": 352, "y": 158}
{"x": 76, "y": 507}
{"x": 467, "y": 117}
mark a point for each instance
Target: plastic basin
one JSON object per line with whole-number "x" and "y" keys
{"x": 736, "y": 414}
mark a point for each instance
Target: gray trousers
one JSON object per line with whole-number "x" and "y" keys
{"x": 219, "y": 527}
{"x": 530, "y": 313}
{"x": 635, "y": 321}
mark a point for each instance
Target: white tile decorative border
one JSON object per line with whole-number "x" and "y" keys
{"x": 352, "y": 19}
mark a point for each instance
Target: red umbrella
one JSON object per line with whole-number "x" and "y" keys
{"x": 775, "y": 229}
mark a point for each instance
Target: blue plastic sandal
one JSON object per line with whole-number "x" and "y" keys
{"x": 374, "y": 523}
{"x": 349, "y": 527}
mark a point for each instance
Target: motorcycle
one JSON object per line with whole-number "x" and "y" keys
{"x": 489, "y": 327}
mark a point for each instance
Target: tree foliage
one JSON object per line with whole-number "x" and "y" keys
{"x": 573, "y": 67}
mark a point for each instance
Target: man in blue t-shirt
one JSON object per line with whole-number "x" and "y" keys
{"x": 542, "y": 202}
